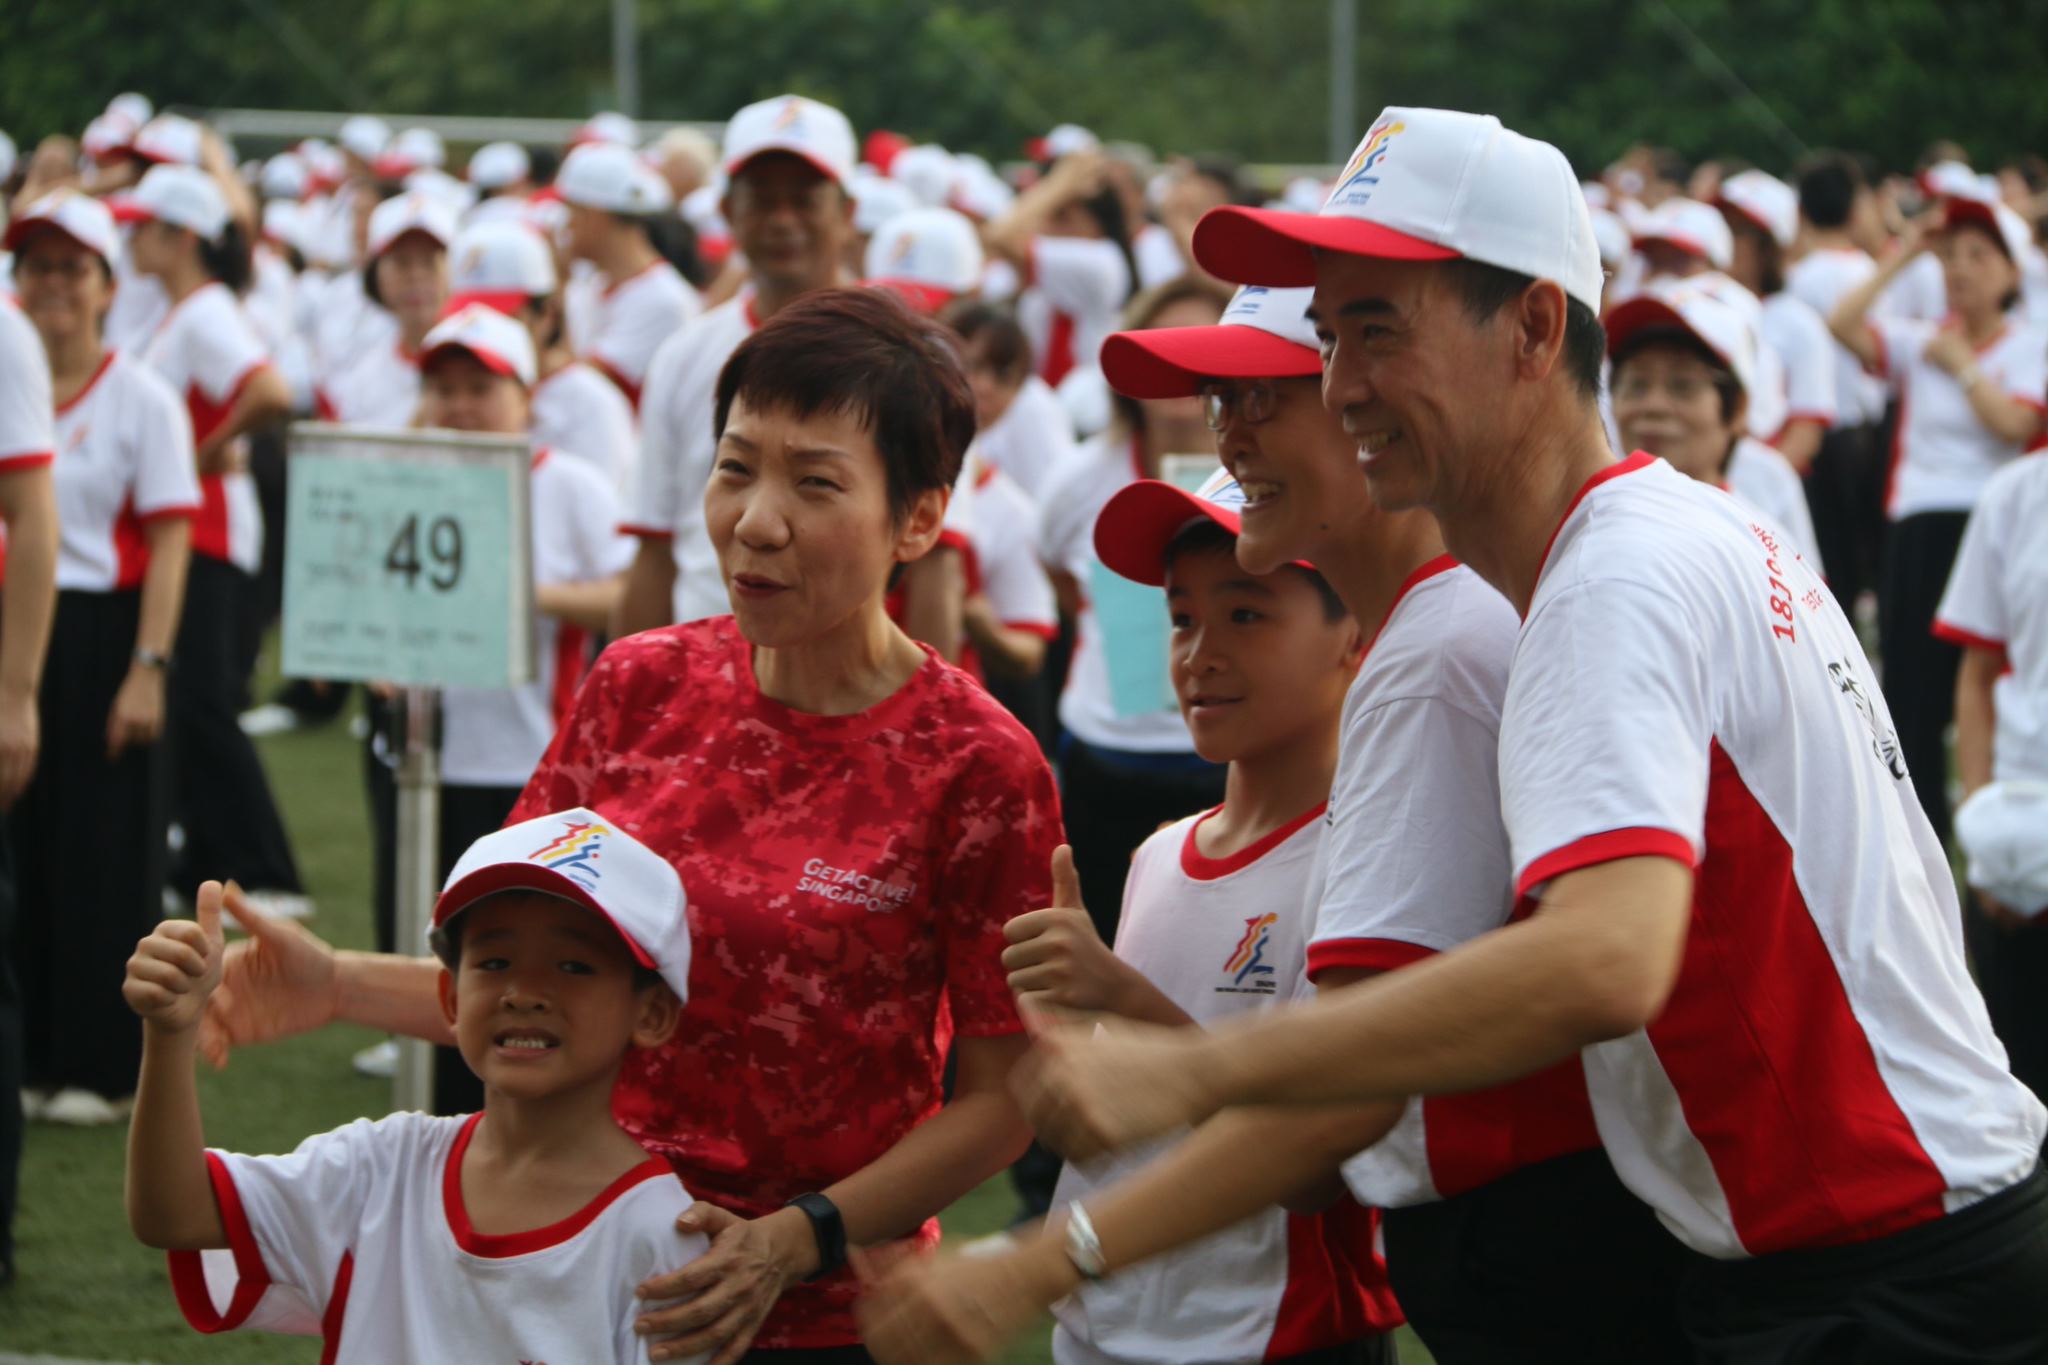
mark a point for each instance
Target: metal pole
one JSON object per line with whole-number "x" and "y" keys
{"x": 626, "y": 56}
{"x": 1343, "y": 79}
{"x": 419, "y": 873}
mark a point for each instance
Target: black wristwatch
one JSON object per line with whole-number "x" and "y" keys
{"x": 828, "y": 1227}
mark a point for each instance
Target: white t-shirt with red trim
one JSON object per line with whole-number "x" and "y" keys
{"x": 379, "y": 387}
{"x": 1072, "y": 301}
{"x": 1766, "y": 480}
{"x": 1224, "y": 937}
{"x": 207, "y": 351}
{"x": 124, "y": 458}
{"x": 995, "y": 524}
{"x": 1997, "y": 598}
{"x": 676, "y": 446}
{"x": 494, "y": 736}
{"x": 1942, "y": 456}
{"x": 360, "y": 1237}
{"x": 27, "y": 433}
{"x": 1824, "y": 1071}
{"x": 1799, "y": 338}
{"x": 1415, "y": 862}
{"x": 1821, "y": 279}
{"x": 341, "y": 323}
{"x": 633, "y": 318}
{"x": 578, "y": 409}
{"x": 1033, "y": 440}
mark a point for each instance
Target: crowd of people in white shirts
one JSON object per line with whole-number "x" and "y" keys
{"x": 1862, "y": 364}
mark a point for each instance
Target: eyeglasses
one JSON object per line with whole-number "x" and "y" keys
{"x": 1253, "y": 403}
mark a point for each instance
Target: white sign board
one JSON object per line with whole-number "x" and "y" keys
{"x": 408, "y": 557}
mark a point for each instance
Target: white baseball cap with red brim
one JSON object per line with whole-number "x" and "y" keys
{"x": 581, "y": 857}
{"x": 1263, "y": 334}
{"x": 612, "y": 178}
{"x": 168, "y": 140}
{"x": 406, "y": 213}
{"x": 364, "y": 136}
{"x": 1685, "y": 307}
{"x": 499, "y": 344}
{"x": 498, "y": 164}
{"x": 1424, "y": 185}
{"x": 183, "y": 196}
{"x": 800, "y": 127}
{"x": 82, "y": 218}
{"x": 2006, "y": 226}
{"x": 502, "y": 264}
{"x": 1696, "y": 229}
{"x": 108, "y": 136}
{"x": 1765, "y": 200}
{"x": 1137, "y": 525}
{"x": 611, "y": 127}
{"x": 928, "y": 255}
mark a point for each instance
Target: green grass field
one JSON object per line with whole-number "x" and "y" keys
{"x": 87, "y": 1291}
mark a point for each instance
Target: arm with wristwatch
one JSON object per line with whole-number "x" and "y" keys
{"x": 137, "y": 716}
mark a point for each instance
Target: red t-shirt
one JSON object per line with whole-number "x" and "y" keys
{"x": 848, "y": 881}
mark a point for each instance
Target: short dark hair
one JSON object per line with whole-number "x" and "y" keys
{"x": 446, "y": 942}
{"x": 1678, "y": 339}
{"x": 863, "y": 353}
{"x": 1828, "y": 185}
{"x": 1486, "y": 289}
{"x": 1003, "y": 337}
{"x": 1205, "y": 537}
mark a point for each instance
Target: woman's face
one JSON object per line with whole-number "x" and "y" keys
{"x": 65, "y": 289}
{"x": 1181, "y": 414}
{"x": 1977, "y": 274}
{"x": 1299, "y": 471}
{"x": 153, "y": 246}
{"x": 412, "y": 279}
{"x": 459, "y": 394}
{"x": 994, "y": 387}
{"x": 798, "y": 510}
{"x": 1665, "y": 402}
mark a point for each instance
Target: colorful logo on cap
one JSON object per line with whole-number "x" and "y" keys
{"x": 791, "y": 114}
{"x": 1248, "y": 959}
{"x": 1354, "y": 186}
{"x": 574, "y": 854}
{"x": 906, "y": 247}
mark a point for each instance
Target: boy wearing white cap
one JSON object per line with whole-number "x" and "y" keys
{"x": 613, "y": 196}
{"x": 517, "y": 1233}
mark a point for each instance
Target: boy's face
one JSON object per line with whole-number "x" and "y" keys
{"x": 1303, "y": 485}
{"x": 1256, "y": 661}
{"x": 543, "y": 999}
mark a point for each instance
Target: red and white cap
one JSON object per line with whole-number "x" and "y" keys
{"x": 284, "y": 222}
{"x": 1142, "y": 519}
{"x": 801, "y": 127}
{"x": 285, "y": 176}
{"x": 499, "y": 344}
{"x": 876, "y": 199}
{"x": 608, "y": 127}
{"x": 1263, "y": 334}
{"x": 581, "y": 857}
{"x": 498, "y": 164}
{"x": 415, "y": 149}
{"x": 108, "y": 136}
{"x": 1765, "y": 200}
{"x": 133, "y": 107}
{"x": 364, "y": 136}
{"x": 928, "y": 171}
{"x": 501, "y": 264}
{"x": 1944, "y": 178}
{"x": 613, "y": 178}
{"x": 169, "y": 140}
{"x": 1424, "y": 185}
{"x": 2007, "y": 226}
{"x": 409, "y": 212}
{"x": 929, "y": 256}
{"x": 1686, "y": 307}
{"x": 325, "y": 166}
{"x": 82, "y": 218}
{"x": 1070, "y": 137}
{"x": 184, "y": 197}
{"x": 1694, "y": 228}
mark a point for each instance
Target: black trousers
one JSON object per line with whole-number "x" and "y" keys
{"x": 90, "y": 835}
{"x": 1920, "y": 670}
{"x": 2012, "y": 971}
{"x": 1845, "y": 494}
{"x": 11, "y": 1122}
{"x": 1556, "y": 1262}
{"x": 219, "y": 794}
{"x": 1968, "y": 1289}
{"x": 1112, "y": 804}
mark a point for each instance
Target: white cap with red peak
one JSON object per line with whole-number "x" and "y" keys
{"x": 324, "y": 163}
{"x": 609, "y": 127}
{"x": 133, "y": 107}
{"x": 82, "y": 218}
{"x": 1136, "y": 526}
{"x": 928, "y": 171}
{"x": 1765, "y": 200}
{"x": 613, "y": 178}
{"x": 501, "y": 264}
{"x": 876, "y": 199}
{"x": 183, "y": 196}
{"x": 1950, "y": 177}
{"x": 1070, "y": 137}
{"x": 168, "y": 140}
{"x": 2007, "y": 226}
{"x": 499, "y": 344}
{"x": 284, "y": 176}
{"x": 1263, "y": 334}
{"x": 498, "y": 164}
{"x": 1694, "y": 228}
{"x": 1424, "y": 185}
{"x": 1683, "y": 306}
{"x": 581, "y": 857}
{"x": 410, "y": 212}
{"x": 933, "y": 249}
{"x": 801, "y": 127}
{"x": 415, "y": 149}
{"x": 108, "y": 135}
{"x": 364, "y": 135}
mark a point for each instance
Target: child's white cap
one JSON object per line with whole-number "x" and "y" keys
{"x": 499, "y": 344}
{"x": 584, "y": 858}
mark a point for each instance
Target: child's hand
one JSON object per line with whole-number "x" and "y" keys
{"x": 1056, "y": 959}
{"x": 177, "y": 967}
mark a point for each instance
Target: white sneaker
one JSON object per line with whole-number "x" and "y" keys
{"x": 33, "y": 1102}
{"x": 268, "y": 719}
{"x": 280, "y": 904}
{"x": 379, "y": 1061}
{"x": 76, "y": 1108}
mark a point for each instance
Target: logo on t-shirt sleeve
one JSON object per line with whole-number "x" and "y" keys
{"x": 1249, "y": 971}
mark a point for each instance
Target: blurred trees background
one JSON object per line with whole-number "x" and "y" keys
{"x": 1244, "y": 76}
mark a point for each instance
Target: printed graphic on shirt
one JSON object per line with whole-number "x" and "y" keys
{"x": 850, "y": 886}
{"x": 1250, "y": 972}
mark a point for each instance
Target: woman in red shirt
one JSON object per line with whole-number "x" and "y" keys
{"x": 854, "y": 821}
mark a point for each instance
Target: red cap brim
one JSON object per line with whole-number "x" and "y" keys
{"x": 1624, "y": 320}
{"x": 510, "y": 302}
{"x": 498, "y": 877}
{"x": 1673, "y": 239}
{"x": 22, "y": 229}
{"x": 490, "y": 360}
{"x": 1277, "y": 247}
{"x": 1141, "y": 520}
{"x": 735, "y": 166}
{"x": 1962, "y": 209}
{"x": 1172, "y": 362}
{"x": 927, "y": 299}
{"x": 126, "y": 210}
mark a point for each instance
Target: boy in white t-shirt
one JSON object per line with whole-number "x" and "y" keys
{"x": 516, "y": 1234}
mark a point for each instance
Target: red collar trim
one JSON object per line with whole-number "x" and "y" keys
{"x": 75, "y": 399}
{"x": 1442, "y": 564}
{"x": 753, "y": 314}
{"x": 498, "y": 1246}
{"x": 985, "y": 476}
{"x": 1639, "y": 460}
{"x": 540, "y": 457}
{"x": 1203, "y": 868}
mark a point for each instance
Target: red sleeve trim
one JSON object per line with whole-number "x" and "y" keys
{"x": 179, "y": 511}
{"x": 1956, "y": 635}
{"x": 2029, "y": 401}
{"x": 252, "y": 1277}
{"x": 28, "y": 459}
{"x": 644, "y": 532}
{"x": 625, "y": 385}
{"x": 1043, "y": 629}
{"x": 1363, "y": 954}
{"x": 1607, "y": 847}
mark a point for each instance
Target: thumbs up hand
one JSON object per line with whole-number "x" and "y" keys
{"x": 1056, "y": 960}
{"x": 177, "y": 967}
